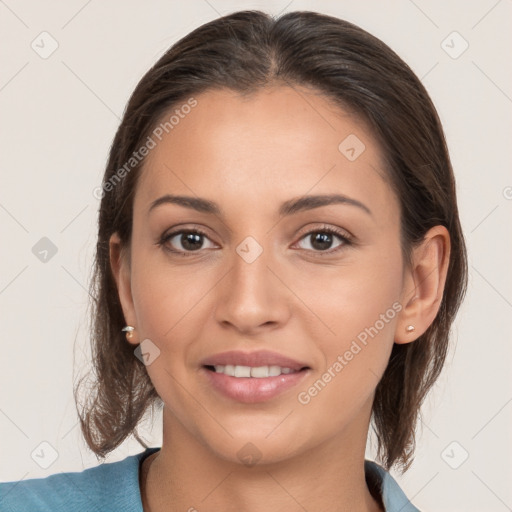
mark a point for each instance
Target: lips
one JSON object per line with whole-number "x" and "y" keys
{"x": 252, "y": 377}
{"x": 253, "y": 359}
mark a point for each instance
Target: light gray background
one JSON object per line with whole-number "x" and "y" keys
{"x": 59, "y": 115}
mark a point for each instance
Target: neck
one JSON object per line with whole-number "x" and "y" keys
{"x": 185, "y": 475}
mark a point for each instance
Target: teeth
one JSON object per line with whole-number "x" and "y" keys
{"x": 242, "y": 371}
{"x": 274, "y": 371}
{"x": 259, "y": 372}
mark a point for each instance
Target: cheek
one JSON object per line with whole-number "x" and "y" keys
{"x": 358, "y": 306}
{"x": 163, "y": 293}
{"x": 349, "y": 298}
{"x": 167, "y": 300}
{"x": 171, "y": 306}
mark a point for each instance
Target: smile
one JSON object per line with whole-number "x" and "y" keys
{"x": 258, "y": 372}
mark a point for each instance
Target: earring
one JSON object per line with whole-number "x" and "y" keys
{"x": 129, "y": 331}
{"x": 409, "y": 328}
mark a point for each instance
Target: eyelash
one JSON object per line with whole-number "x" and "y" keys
{"x": 344, "y": 237}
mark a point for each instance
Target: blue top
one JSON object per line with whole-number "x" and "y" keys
{"x": 115, "y": 487}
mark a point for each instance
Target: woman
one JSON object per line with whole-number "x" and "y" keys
{"x": 279, "y": 262}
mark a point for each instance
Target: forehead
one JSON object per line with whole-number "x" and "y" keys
{"x": 269, "y": 146}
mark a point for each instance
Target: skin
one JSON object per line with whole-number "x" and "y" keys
{"x": 249, "y": 155}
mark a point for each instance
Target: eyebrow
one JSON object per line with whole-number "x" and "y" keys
{"x": 287, "y": 208}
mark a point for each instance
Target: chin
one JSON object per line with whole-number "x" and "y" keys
{"x": 261, "y": 443}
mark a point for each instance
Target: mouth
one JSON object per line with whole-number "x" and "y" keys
{"x": 253, "y": 377}
{"x": 258, "y": 372}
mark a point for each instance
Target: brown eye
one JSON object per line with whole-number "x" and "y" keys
{"x": 186, "y": 241}
{"x": 323, "y": 240}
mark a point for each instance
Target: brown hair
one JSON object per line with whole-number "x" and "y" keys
{"x": 246, "y": 51}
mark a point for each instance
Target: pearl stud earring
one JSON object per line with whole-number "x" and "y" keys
{"x": 129, "y": 331}
{"x": 409, "y": 328}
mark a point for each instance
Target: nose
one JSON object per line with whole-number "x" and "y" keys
{"x": 252, "y": 297}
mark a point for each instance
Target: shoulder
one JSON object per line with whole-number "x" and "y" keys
{"x": 393, "y": 498}
{"x": 110, "y": 486}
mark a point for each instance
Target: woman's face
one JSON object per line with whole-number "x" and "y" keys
{"x": 278, "y": 277}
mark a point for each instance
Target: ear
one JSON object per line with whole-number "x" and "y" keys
{"x": 120, "y": 265}
{"x": 424, "y": 284}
